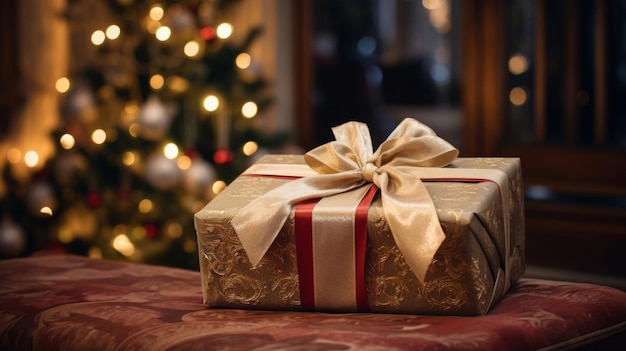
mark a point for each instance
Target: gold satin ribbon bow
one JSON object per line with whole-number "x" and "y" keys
{"x": 348, "y": 163}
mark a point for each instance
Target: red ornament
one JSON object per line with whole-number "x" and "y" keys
{"x": 93, "y": 199}
{"x": 151, "y": 230}
{"x": 208, "y": 33}
{"x": 223, "y": 157}
{"x": 123, "y": 194}
{"x": 191, "y": 153}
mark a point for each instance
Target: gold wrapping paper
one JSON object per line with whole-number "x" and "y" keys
{"x": 466, "y": 276}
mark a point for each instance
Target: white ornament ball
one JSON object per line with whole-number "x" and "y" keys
{"x": 183, "y": 21}
{"x": 161, "y": 172}
{"x": 12, "y": 239}
{"x": 154, "y": 118}
{"x": 199, "y": 176}
{"x": 39, "y": 195}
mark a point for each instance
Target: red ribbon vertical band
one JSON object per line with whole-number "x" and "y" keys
{"x": 304, "y": 250}
{"x": 360, "y": 241}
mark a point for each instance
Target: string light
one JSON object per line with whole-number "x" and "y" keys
{"x": 157, "y": 81}
{"x": 97, "y": 37}
{"x": 211, "y": 103}
{"x": 46, "y": 210}
{"x": 14, "y": 155}
{"x": 128, "y": 158}
{"x": 138, "y": 232}
{"x": 62, "y": 85}
{"x": 163, "y": 33}
{"x": 431, "y": 4}
{"x": 31, "y": 158}
{"x": 174, "y": 230}
{"x": 183, "y": 162}
{"x": 243, "y": 60}
{"x": 145, "y": 206}
{"x": 99, "y": 136}
{"x": 517, "y": 96}
{"x": 224, "y": 30}
{"x": 170, "y": 151}
{"x": 249, "y": 148}
{"x": 67, "y": 141}
{"x": 134, "y": 130}
{"x": 123, "y": 245}
{"x": 218, "y": 186}
{"x": 153, "y": 26}
{"x": 113, "y": 32}
{"x": 192, "y": 48}
{"x": 518, "y": 64}
{"x": 156, "y": 13}
{"x": 95, "y": 252}
{"x": 65, "y": 235}
{"x": 249, "y": 109}
{"x": 177, "y": 84}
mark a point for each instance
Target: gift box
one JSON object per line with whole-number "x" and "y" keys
{"x": 410, "y": 228}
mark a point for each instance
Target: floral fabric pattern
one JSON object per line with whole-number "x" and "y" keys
{"x": 73, "y": 303}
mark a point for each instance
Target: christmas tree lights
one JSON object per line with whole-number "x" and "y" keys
{"x": 154, "y": 128}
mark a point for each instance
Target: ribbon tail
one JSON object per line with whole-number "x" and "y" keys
{"x": 413, "y": 220}
{"x": 258, "y": 223}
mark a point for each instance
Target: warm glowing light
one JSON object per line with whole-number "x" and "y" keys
{"x": 190, "y": 246}
{"x": 163, "y": 33}
{"x": 224, "y": 30}
{"x": 62, "y": 85}
{"x": 157, "y": 81}
{"x": 183, "y": 162}
{"x": 218, "y": 186}
{"x": 440, "y": 19}
{"x": 243, "y": 60}
{"x": 14, "y": 155}
{"x": 95, "y": 252}
{"x": 67, "y": 141}
{"x": 518, "y": 64}
{"x": 192, "y": 48}
{"x": 249, "y": 109}
{"x": 174, "y": 230}
{"x": 211, "y": 103}
{"x": 431, "y": 4}
{"x": 128, "y": 158}
{"x": 518, "y": 96}
{"x": 119, "y": 229}
{"x": 177, "y": 84}
{"x": 134, "y": 130}
{"x": 153, "y": 26}
{"x": 156, "y": 13}
{"x": 98, "y": 136}
{"x": 46, "y": 210}
{"x": 145, "y": 206}
{"x": 170, "y": 151}
{"x": 113, "y": 32}
{"x": 97, "y": 37}
{"x": 250, "y": 148}
{"x": 138, "y": 232}
{"x": 122, "y": 244}
{"x": 31, "y": 158}
{"x": 65, "y": 235}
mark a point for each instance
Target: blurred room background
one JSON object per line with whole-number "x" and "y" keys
{"x": 121, "y": 118}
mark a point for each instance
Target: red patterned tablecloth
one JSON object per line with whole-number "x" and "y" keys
{"x": 73, "y": 303}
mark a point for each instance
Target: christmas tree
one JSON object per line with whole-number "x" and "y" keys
{"x": 159, "y": 124}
